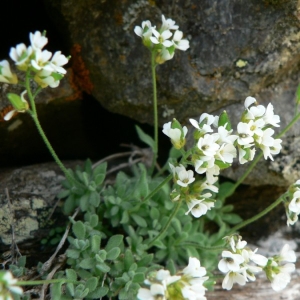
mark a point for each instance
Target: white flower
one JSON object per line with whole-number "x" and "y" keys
{"x": 294, "y": 205}
{"x": 209, "y": 186}
{"x": 249, "y": 101}
{"x": 168, "y": 24}
{"x": 242, "y": 155}
{"x": 230, "y": 262}
{"x": 7, "y": 286}
{"x": 56, "y": 63}
{"x": 180, "y": 43}
{"x": 256, "y": 127}
{"x": 275, "y": 149}
{"x": 225, "y": 136}
{"x": 205, "y": 162}
{"x": 231, "y": 278}
{"x": 266, "y": 142}
{"x": 46, "y": 78}
{"x": 211, "y": 173}
{"x": 161, "y": 38}
{"x": 255, "y": 112}
{"x": 194, "y": 268}
{"x": 176, "y": 135}
{"x": 38, "y": 41}
{"x": 200, "y": 207}
{"x": 280, "y": 280}
{"x": 270, "y": 118}
{"x": 152, "y": 294}
{"x": 20, "y": 55}
{"x": 41, "y": 58}
{"x": 236, "y": 243}
{"x": 226, "y": 153}
{"x": 287, "y": 255}
{"x": 184, "y": 177}
{"x": 258, "y": 258}
{"x": 5, "y": 73}
{"x": 208, "y": 145}
{"x": 244, "y": 134}
{"x": 145, "y": 30}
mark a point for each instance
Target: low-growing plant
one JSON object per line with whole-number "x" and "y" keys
{"x": 143, "y": 236}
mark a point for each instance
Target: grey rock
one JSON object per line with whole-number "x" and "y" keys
{"x": 237, "y": 48}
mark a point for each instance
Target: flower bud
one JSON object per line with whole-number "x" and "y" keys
{"x": 224, "y": 121}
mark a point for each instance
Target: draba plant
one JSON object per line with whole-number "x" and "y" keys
{"x": 143, "y": 234}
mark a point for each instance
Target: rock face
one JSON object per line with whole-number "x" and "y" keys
{"x": 236, "y": 50}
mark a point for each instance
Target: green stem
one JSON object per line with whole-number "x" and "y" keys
{"x": 155, "y": 113}
{"x": 195, "y": 245}
{"x": 258, "y": 216}
{"x": 33, "y": 113}
{"x": 259, "y": 156}
{"x": 167, "y": 224}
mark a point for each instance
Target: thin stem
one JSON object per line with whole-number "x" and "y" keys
{"x": 34, "y": 116}
{"x": 258, "y": 216}
{"x": 195, "y": 245}
{"x": 167, "y": 224}
{"x": 155, "y": 113}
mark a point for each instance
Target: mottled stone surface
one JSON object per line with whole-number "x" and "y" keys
{"x": 237, "y": 48}
{"x": 32, "y": 193}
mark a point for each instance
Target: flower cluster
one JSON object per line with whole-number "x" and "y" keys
{"x": 186, "y": 284}
{"x": 254, "y": 130}
{"x": 215, "y": 148}
{"x": 8, "y": 287}
{"x": 163, "y": 41}
{"x": 241, "y": 264}
{"x": 47, "y": 68}
{"x": 292, "y": 206}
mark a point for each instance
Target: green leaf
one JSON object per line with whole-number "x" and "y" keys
{"x": 232, "y": 218}
{"x": 177, "y": 226}
{"x": 225, "y": 190}
{"x": 99, "y": 292}
{"x": 73, "y": 253}
{"x": 171, "y": 266}
{"x": 147, "y": 139}
{"x": 128, "y": 259}
{"x": 70, "y": 288}
{"x": 227, "y": 208}
{"x": 94, "y": 199}
{"x": 71, "y": 274}
{"x": 138, "y": 277}
{"x": 94, "y": 220}
{"x": 56, "y": 290}
{"x": 139, "y": 220}
{"x": 87, "y": 263}
{"x": 84, "y": 201}
{"x": 113, "y": 253}
{"x": 154, "y": 213}
{"x": 103, "y": 267}
{"x": 159, "y": 244}
{"x": 114, "y": 241}
{"x": 63, "y": 194}
{"x": 125, "y": 217}
{"x": 95, "y": 243}
{"x": 99, "y": 173}
{"x": 88, "y": 166}
{"x": 146, "y": 260}
{"x": 79, "y": 230}
{"x": 91, "y": 283}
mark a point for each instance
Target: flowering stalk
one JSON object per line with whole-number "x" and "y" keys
{"x": 258, "y": 216}
{"x": 167, "y": 224}
{"x": 34, "y": 116}
{"x": 155, "y": 114}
